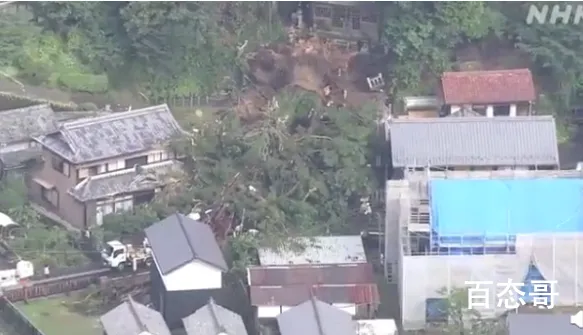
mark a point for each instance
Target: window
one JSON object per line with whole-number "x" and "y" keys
{"x": 142, "y": 160}
{"x": 157, "y": 157}
{"x": 320, "y": 11}
{"x": 123, "y": 205}
{"x": 436, "y": 310}
{"x": 116, "y": 165}
{"x": 61, "y": 166}
{"x": 117, "y": 253}
{"x": 502, "y": 110}
{"x": 369, "y": 18}
{"x": 86, "y": 172}
{"x": 50, "y": 195}
{"x": 355, "y": 19}
{"x": 338, "y": 16}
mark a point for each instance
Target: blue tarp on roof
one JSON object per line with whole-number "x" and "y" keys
{"x": 501, "y": 209}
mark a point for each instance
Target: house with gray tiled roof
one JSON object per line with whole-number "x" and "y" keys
{"x": 17, "y": 130}
{"x": 474, "y": 143}
{"x": 314, "y": 317}
{"x": 132, "y": 318}
{"x": 213, "y": 319}
{"x": 105, "y": 164}
{"x": 189, "y": 266}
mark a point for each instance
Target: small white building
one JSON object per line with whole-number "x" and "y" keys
{"x": 489, "y": 93}
{"x": 189, "y": 266}
{"x": 332, "y": 268}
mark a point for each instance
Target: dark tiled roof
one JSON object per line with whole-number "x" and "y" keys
{"x": 178, "y": 240}
{"x": 346, "y": 274}
{"x": 482, "y": 87}
{"x": 293, "y": 295}
{"x": 108, "y": 136}
{"x": 474, "y": 141}
{"x": 131, "y": 318}
{"x": 17, "y": 159}
{"x": 24, "y": 123}
{"x": 125, "y": 181}
{"x": 213, "y": 319}
{"x": 314, "y": 317}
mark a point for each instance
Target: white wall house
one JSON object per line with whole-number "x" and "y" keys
{"x": 489, "y": 109}
{"x": 186, "y": 254}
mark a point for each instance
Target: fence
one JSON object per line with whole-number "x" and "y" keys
{"x": 12, "y": 316}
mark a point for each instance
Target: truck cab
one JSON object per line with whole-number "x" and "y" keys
{"x": 119, "y": 255}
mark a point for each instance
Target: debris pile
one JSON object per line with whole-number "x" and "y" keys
{"x": 339, "y": 77}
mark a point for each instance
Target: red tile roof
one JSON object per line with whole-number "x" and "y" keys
{"x": 482, "y": 87}
{"x": 290, "y": 286}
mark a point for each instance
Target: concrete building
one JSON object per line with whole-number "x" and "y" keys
{"x": 456, "y": 226}
{"x": 474, "y": 143}
{"x": 189, "y": 266}
{"x": 332, "y": 268}
{"x": 489, "y": 93}
{"x": 97, "y": 166}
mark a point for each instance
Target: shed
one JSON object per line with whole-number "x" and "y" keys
{"x": 474, "y": 142}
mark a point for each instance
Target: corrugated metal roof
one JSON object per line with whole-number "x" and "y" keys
{"x": 482, "y": 87}
{"x": 541, "y": 324}
{"x": 474, "y": 141}
{"x": 305, "y": 275}
{"x": 296, "y": 294}
{"x": 317, "y": 250}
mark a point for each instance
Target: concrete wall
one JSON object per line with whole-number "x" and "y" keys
{"x": 557, "y": 257}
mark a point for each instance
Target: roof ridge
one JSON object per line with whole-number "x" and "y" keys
{"x": 181, "y": 224}
{"x": 220, "y": 329}
{"x": 111, "y": 117}
{"x": 142, "y": 326}
{"x": 316, "y": 313}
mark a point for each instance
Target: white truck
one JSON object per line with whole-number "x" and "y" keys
{"x": 117, "y": 255}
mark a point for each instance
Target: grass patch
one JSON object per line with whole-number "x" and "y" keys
{"x": 61, "y": 315}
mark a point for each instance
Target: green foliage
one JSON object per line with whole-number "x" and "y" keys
{"x": 422, "y": 37}
{"x": 126, "y": 225}
{"x": 83, "y": 82}
{"x": 463, "y": 320}
{"x": 163, "y": 49}
{"x": 289, "y": 174}
{"x": 34, "y": 240}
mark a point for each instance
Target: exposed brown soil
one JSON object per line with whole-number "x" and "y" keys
{"x": 314, "y": 65}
